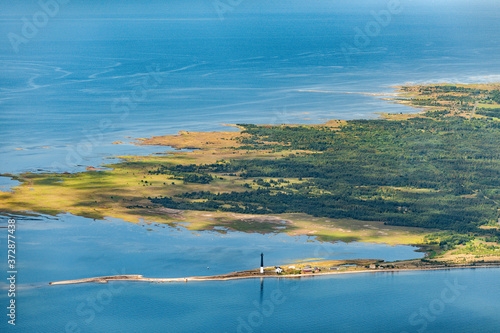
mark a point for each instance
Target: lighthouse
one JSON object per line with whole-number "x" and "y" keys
{"x": 262, "y": 263}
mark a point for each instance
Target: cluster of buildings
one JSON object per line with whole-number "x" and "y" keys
{"x": 309, "y": 269}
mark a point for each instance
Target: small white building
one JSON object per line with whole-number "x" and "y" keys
{"x": 278, "y": 270}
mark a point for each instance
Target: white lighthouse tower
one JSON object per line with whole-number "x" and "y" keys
{"x": 262, "y": 263}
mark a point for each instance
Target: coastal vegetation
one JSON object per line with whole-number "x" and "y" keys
{"x": 430, "y": 178}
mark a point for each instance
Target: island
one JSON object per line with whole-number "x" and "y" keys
{"x": 429, "y": 178}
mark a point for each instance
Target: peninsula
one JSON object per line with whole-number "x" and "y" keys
{"x": 430, "y": 179}
{"x": 310, "y": 269}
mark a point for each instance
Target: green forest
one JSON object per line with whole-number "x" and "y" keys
{"x": 431, "y": 171}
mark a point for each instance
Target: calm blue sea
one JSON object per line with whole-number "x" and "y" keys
{"x": 85, "y": 81}
{"x": 69, "y": 247}
{"x": 378, "y": 302}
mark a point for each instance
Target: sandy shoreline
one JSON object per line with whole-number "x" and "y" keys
{"x": 253, "y": 275}
{"x": 350, "y": 92}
